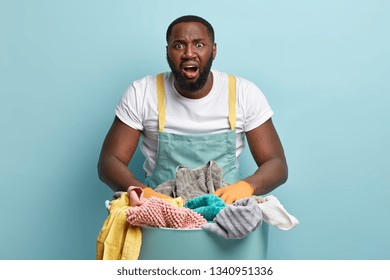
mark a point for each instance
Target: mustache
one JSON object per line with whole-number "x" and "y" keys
{"x": 191, "y": 86}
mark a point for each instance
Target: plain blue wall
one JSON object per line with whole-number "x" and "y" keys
{"x": 323, "y": 65}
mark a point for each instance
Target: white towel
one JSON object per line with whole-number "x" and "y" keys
{"x": 275, "y": 214}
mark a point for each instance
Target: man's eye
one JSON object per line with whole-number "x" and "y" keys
{"x": 199, "y": 45}
{"x": 179, "y": 46}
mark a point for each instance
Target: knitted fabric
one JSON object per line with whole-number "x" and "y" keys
{"x": 159, "y": 213}
{"x": 237, "y": 220}
{"x": 191, "y": 183}
{"x": 208, "y": 205}
{"x": 136, "y": 197}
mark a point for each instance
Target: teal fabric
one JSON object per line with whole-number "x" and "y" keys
{"x": 193, "y": 151}
{"x": 207, "y": 205}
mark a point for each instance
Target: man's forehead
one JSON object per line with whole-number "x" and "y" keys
{"x": 189, "y": 29}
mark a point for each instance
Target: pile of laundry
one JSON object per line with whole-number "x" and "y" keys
{"x": 193, "y": 205}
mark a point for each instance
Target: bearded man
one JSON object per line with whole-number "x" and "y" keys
{"x": 190, "y": 116}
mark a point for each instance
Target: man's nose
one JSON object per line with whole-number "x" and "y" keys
{"x": 189, "y": 52}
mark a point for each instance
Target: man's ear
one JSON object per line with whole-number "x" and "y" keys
{"x": 214, "y": 50}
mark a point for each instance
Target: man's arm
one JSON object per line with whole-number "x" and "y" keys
{"x": 268, "y": 153}
{"x": 118, "y": 148}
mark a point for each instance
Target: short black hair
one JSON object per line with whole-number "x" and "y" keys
{"x": 191, "y": 18}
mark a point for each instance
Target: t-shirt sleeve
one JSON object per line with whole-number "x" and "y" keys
{"x": 255, "y": 106}
{"x": 129, "y": 108}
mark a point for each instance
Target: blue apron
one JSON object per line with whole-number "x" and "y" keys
{"x": 194, "y": 150}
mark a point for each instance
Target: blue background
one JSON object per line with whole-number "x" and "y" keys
{"x": 323, "y": 65}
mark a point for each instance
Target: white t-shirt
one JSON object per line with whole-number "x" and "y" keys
{"x": 138, "y": 109}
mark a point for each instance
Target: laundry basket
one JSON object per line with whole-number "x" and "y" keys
{"x": 198, "y": 244}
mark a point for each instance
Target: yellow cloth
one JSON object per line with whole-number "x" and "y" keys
{"x": 118, "y": 240}
{"x": 178, "y": 201}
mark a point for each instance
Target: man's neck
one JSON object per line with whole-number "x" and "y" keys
{"x": 200, "y": 93}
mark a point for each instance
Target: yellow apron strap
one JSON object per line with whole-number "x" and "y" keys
{"x": 232, "y": 102}
{"x": 160, "y": 101}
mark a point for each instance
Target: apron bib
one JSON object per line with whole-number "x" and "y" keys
{"x": 194, "y": 150}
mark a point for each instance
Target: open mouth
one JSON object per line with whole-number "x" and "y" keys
{"x": 190, "y": 71}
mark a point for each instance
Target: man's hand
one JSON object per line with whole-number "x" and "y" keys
{"x": 235, "y": 192}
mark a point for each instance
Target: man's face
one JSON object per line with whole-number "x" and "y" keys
{"x": 190, "y": 53}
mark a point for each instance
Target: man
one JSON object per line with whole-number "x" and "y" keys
{"x": 190, "y": 116}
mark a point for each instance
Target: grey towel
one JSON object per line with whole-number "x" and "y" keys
{"x": 191, "y": 183}
{"x": 236, "y": 220}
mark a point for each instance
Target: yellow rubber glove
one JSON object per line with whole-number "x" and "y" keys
{"x": 235, "y": 192}
{"x": 148, "y": 192}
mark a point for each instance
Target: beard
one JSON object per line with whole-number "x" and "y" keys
{"x": 189, "y": 85}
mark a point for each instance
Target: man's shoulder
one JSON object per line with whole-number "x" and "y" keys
{"x": 145, "y": 80}
{"x": 146, "y": 83}
{"x": 219, "y": 74}
{"x": 224, "y": 76}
